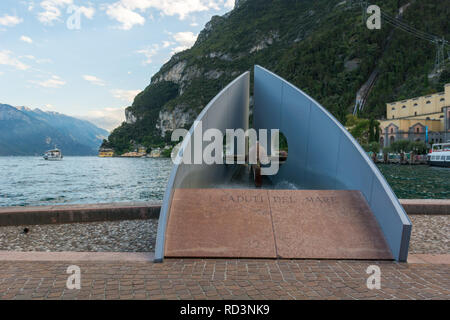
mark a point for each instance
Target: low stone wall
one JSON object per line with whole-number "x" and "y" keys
{"x": 18, "y": 216}
{"x": 426, "y": 206}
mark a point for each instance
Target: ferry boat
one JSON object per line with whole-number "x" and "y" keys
{"x": 53, "y": 155}
{"x": 440, "y": 155}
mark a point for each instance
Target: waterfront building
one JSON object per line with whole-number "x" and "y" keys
{"x": 425, "y": 118}
{"x": 106, "y": 153}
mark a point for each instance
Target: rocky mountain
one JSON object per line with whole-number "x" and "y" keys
{"x": 321, "y": 46}
{"x": 31, "y": 132}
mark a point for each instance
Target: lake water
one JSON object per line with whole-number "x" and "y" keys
{"x": 32, "y": 181}
{"x": 417, "y": 182}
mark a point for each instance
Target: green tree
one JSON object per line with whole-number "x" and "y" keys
{"x": 373, "y": 147}
{"x": 419, "y": 147}
{"x": 401, "y": 146}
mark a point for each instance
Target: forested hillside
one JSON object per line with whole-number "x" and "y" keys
{"x": 321, "y": 46}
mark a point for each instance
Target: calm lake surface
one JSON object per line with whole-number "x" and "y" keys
{"x": 32, "y": 181}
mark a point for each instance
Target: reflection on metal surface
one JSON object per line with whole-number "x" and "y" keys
{"x": 228, "y": 110}
{"x": 323, "y": 155}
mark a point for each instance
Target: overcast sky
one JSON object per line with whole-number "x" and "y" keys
{"x": 90, "y": 58}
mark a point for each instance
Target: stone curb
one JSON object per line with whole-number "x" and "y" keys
{"x": 426, "y": 206}
{"x": 6, "y": 256}
{"x": 147, "y": 257}
{"x": 17, "y": 216}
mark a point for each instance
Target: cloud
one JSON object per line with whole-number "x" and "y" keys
{"x": 26, "y": 39}
{"x": 7, "y": 59}
{"x": 33, "y": 58}
{"x": 125, "y": 11}
{"x": 127, "y": 17}
{"x": 9, "y": 21}
{"x": 94, "y": 80}
{"x": 52, "y": 10}
{"x": 229, "y": 4}
{"x": 185, "y": 40}
{"x": 149, "y": 52}
{"x": 167, "y": 44}
{"x": 108, "y": 118}
{"x": 87, "y": 12}
{"x": 31, "y": 6}
{"x": 53, "y": 82}
{"x": 125, "y": 95}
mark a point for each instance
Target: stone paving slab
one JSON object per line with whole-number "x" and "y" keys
{"x": 220, "y": 223}
{"x": 326, "y": 224}
{"x": 224, "y": 279}
{"x": 255, "y": 223}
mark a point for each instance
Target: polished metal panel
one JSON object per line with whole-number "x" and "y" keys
{"x": 228, "y": 110}
{"x": 324, "y": 155}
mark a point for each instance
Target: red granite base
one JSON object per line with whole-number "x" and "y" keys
{"x": 303, "y": 224}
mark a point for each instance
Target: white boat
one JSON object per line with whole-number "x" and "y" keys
{"x": 53, "y": 155}
{"x": 440, "y": 155}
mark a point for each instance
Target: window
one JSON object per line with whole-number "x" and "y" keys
{"x": 428, "y": 118}
{"x": 403, "y": 107}
{"x": 392, "y": 130}
{"x": 442, "y": 158}
{"x": 448, "y": 158}
{"x": 418, "y": 130}
{"x": 415, "y": 113}
{"x": 415, "y": 104}
{"x": 442, "y": 99}
{"x": 428, "y": 102}
{"x": 393, "y": 109}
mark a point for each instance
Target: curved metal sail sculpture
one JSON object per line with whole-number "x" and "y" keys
{"x": 229, "y": 109}
{"x": 322, "y": 153}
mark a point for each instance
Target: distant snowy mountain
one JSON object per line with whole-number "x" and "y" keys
{"x": 24, "y": 131}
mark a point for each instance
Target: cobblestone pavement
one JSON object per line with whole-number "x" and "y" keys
{"x": 431, "y": 234}
{"x": 110, "y": 236}
{"x": 224, "y": 279}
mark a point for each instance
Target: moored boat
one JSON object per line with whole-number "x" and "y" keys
{"x": 440, "y": 155}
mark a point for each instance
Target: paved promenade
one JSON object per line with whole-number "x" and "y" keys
{"x": 133, "y": 277}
